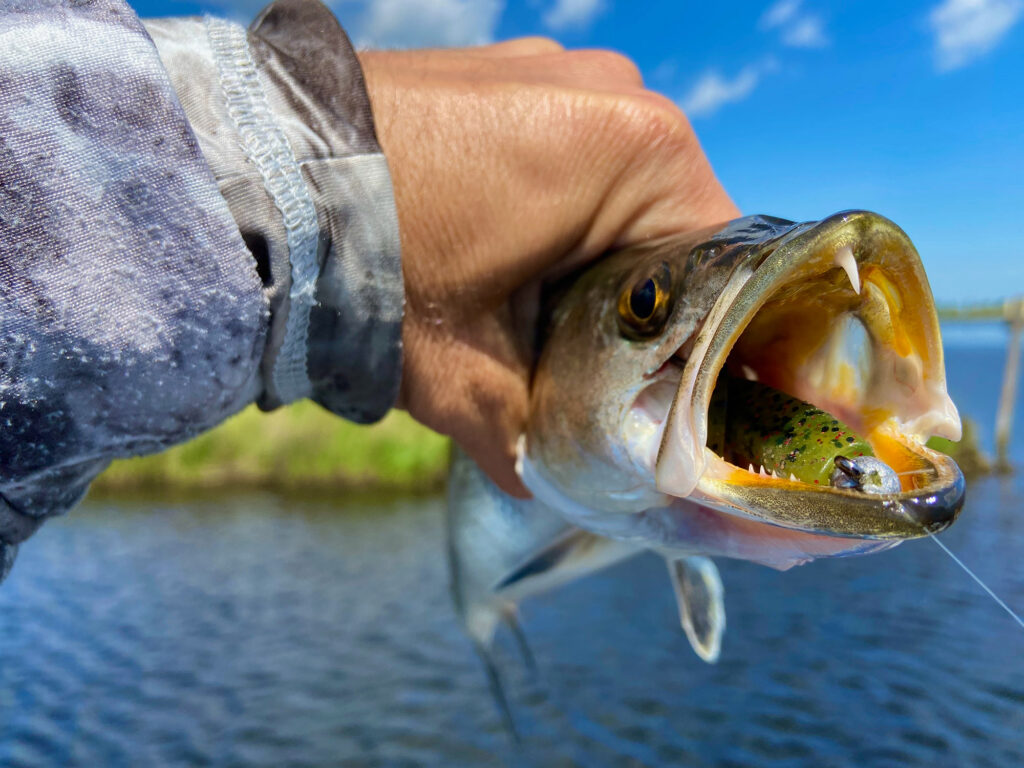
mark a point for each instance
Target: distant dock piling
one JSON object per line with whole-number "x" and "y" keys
{"x": 1014, "y": 317}
{"x": 1011, "y": 312}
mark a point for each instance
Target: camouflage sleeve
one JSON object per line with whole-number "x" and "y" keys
{"x": 283, "y": 119}
{"x": 162, "y": 267}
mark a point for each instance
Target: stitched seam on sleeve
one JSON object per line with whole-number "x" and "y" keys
{"x": 267, "y": 147}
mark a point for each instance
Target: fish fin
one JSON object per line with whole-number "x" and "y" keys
{"x": 511, "y": 617}
{"x": 487, "y": 534}
{"x": 502, "y": 549}
{"x": 497, "y": 689}
{"x": 700, "y": 597}
{"x": 572, "y": 554}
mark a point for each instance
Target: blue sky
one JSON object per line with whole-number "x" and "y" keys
{"x": 912, "y": 109}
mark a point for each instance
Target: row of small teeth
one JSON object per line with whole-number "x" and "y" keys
{"x": 774, "y": 474}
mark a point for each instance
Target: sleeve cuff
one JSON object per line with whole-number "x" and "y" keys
{"x": 283, "y": 118}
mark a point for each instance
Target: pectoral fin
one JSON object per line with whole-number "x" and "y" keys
{"x": 699, "y": 595}
{"x": 570, "y": 556}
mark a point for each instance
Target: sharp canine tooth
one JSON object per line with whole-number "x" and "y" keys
{"x": 844, "y": 258}
{"x": 792, "y": 477}
{"x": 749, "y": 373}
{"x": 750, "y": 469}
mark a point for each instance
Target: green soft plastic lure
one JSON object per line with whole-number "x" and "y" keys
{"x": 754, "y": 425}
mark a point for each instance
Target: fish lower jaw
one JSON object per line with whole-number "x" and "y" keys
{"x": 930, "y": 498}
{"x": 698, "y": 525}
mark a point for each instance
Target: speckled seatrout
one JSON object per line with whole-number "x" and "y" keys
{"x": 618, "y": 451}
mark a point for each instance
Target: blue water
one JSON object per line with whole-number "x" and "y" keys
{"x": 261, "y": 631}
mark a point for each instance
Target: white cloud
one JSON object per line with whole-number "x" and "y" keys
{"x": 783, "y": 11}
{"x": 426, "y": 23}
{"x": 967, "y": 29}
{"x": 797, "y": 28}
{"x": 806, "y": 32}
{"x": 713, "y": 91}
{"x": 572, "y": 13}
{"x": 240, "y": 11}
{"x": 400, "y": 23}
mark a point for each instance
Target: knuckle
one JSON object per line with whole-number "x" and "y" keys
{"x": 655, "y": 119}
{"x": 620, "y": 67}
{"x": 540, "y": 45}
{"x": 625, "y": 65}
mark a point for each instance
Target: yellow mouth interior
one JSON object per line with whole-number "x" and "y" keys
{"x": 859, "y": 341}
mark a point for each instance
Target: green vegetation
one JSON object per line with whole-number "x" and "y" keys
{"x": 303, "y": 447}
{"x": 979, "y": 312}
{"x": 967, "y": 453}
{"x": 298, "y": 447}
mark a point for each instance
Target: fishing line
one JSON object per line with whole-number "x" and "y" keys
{"x": 971, "y": 573}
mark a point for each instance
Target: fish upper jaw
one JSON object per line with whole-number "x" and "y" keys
{"x": 680, "y": 461}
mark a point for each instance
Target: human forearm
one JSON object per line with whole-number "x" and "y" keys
{"x": 131, "y": 313}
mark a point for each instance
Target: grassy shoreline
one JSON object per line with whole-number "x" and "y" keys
{"x": 304, "y": 449}
{"x": 298, "y": 448}
{"x": 967, "y": 453}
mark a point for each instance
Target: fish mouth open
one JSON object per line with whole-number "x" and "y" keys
{"x": 840, "y": 315}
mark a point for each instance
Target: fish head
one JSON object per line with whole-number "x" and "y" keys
{"x": 837, "y": 313}
{"x": 609, "y": 367}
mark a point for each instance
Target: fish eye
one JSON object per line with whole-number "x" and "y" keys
{"x": 644, "y": 304}
{"x": 643, "y": 298}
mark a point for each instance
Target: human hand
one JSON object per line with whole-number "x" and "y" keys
{"x": 512, "y": 162}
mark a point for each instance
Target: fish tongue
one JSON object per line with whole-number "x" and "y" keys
{"x": 752, "y": 424}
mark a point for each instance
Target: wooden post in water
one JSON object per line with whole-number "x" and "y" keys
{"x": 1013, "y": 313}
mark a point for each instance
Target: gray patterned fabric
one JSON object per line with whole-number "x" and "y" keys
{"x": 310, "y": 80}
{"x": 132, "y": 313}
